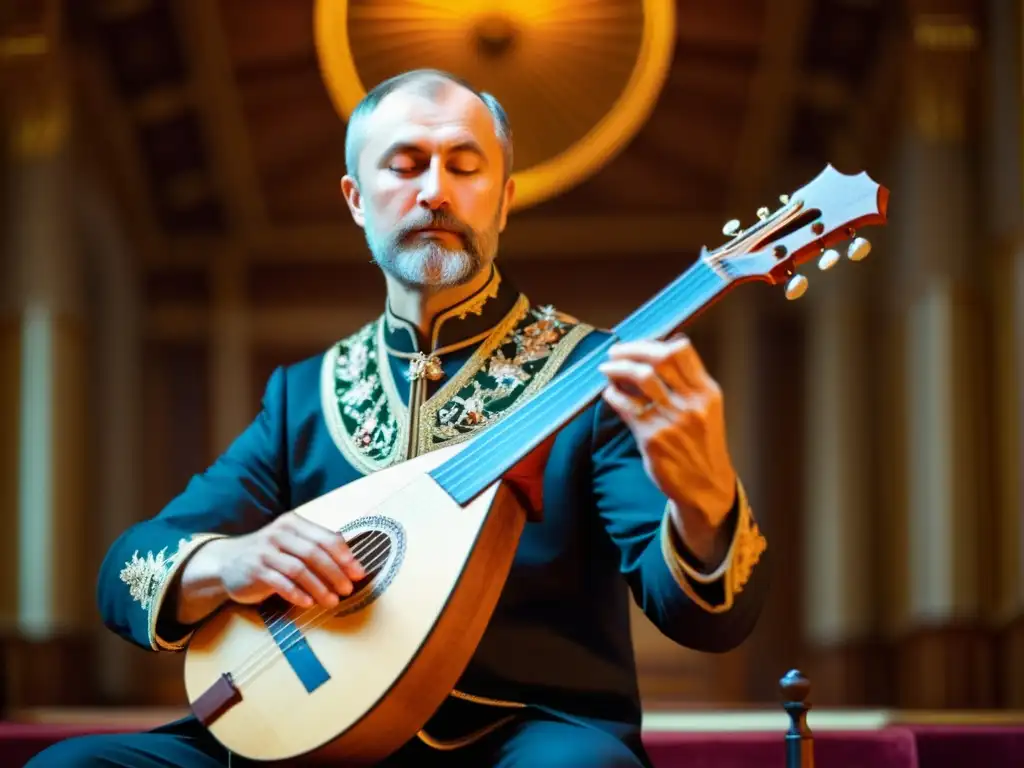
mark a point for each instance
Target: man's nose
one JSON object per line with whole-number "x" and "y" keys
{"x": 434, "y": 187}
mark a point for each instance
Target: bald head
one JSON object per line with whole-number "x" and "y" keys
{"x": 432, "y": 85}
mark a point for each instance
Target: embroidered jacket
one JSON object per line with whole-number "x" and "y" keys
{"x": 560, "y": 636}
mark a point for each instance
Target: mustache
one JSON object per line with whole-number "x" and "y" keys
{"x": 436, "y": 220}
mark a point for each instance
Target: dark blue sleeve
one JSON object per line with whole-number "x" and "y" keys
{"x": 707, "y": 612}
{"x": 245, "y": 488}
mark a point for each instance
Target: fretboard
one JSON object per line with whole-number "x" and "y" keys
{"x": 499, "y": 448}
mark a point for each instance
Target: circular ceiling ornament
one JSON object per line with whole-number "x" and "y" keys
{"x": 578, "y": 78}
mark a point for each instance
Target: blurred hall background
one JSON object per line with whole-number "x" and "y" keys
{"x": 172, "y": 231}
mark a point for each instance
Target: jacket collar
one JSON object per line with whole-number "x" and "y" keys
{"x": 460, "y": 325}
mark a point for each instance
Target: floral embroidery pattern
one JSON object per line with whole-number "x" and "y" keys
{"x": 498, "y": 384}
{"x": 364, "y": 409}
{"x": 145, "y": 575}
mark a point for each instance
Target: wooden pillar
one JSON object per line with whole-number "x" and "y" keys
{"x": 230, "y": 407}
{"x": 838, "y": 536}
{"x": 1004, "y": 186}
{"x": 736, "y": 329}
{"x": 775, "y": 382}
{"x": 117, "y": 427}
{"x": 230, "y": 351}
{"x": 46, "y": 596}
{"x": 945, "y": 659}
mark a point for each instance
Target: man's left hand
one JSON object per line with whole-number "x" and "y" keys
{"x": 674, "y": 409}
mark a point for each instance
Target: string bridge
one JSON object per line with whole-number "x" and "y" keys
{"x": 216, "y": 700}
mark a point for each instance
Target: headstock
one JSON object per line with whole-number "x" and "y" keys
{"x": 828, "y": 210}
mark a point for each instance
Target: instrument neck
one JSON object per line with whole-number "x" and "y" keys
{"x": 501, "y": 447}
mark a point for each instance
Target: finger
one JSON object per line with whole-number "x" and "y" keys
{"x": 628, "y": 408}
{"x": 316, "y": 558}
{"x": 686, "y": 361}
{"x": 295, "y": 570}
{"x": 639, "y": 379}
{"x": 676, "y": 352}
{"x": 286, "y": 588}
{"x": 651, "y": 351}
{"x": 660, "y": 356}
{"x": 331, "y": 542}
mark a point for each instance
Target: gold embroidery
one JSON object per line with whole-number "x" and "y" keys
{"x": 457, "y": 694}
{"x": 750, "y": 545}
{"x": 368, "y": 419}
{"x": 509, "y": 375}
{"x": 149, "y": 577}
{"x": 360, "y": 403}
{"x": 745, "y": 551}
{"x": 475, "y": 304}
{"x": 425, "y": 366}
{"x": 469, "y": 738}
{"x": 185, "y": 550}
{"x": 144, "y": 575}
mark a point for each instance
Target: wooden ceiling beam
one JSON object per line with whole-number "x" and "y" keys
{"x": 222, "y": 114}
{"x": 531, "y": 237}
{"x": 548, "y": 237}
{"x": 770, "y": 110}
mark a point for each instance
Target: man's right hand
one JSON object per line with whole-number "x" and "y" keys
{"x": 299, "y": 560}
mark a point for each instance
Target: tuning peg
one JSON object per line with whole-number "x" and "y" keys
{"x": 762, "y": 213}
{"x": 859, "y": 249}
{"x": 731, "y": 228}
{"x": 796, "y": 287}
{"x": 784, "y": 199}
{"x": 828, "y": 259}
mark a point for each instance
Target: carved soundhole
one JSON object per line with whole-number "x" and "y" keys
{"x": 379, "y": 544}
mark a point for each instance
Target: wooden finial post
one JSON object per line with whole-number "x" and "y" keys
{"x": 799, "y": 739}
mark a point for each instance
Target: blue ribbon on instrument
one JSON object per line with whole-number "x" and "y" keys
{"x": 289, "y": 638}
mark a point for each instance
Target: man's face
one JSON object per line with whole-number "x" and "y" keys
{"x": 432, "y": 196}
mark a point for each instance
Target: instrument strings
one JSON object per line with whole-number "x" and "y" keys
{"x": 368, "y": 555}
{"x": 463, "y": 467}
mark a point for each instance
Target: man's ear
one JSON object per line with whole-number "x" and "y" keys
{"x": 350, "y": 191}
{"x": 508, "y": 196}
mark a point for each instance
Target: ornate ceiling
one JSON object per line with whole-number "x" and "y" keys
{"x": 220, "y": 126}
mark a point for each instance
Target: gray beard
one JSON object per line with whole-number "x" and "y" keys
{"x": 429, "y": 265}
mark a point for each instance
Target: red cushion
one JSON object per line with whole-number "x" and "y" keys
{"x": 888, "y": 748}
{"x": 896, "y": 747}
{"x": 962, "y": 746}
{"x": 19, "y": 742}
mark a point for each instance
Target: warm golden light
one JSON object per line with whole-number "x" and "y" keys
{"x": 577, "y": 78}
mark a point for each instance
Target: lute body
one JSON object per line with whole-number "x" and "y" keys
{"x": 375, "y": 668}
{"x": 438, "y": 533}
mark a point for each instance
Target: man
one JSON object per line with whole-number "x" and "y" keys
{"x": 639, "y": 494}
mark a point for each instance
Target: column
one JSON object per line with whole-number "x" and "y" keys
{"x": 231, "y": 384}
{"x": 839, "y": 546}
{"x": 1005, "y": 196}
{"x": 115, "y": 386}
{"x": 944, "y": 659}
{"x": 757, "y": 361}
{"x": 736, "y": 324}
{"x": 46, "y": 598}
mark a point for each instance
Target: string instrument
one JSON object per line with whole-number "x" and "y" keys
{"x": 437, "y": 534}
